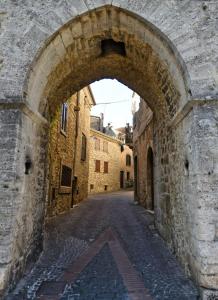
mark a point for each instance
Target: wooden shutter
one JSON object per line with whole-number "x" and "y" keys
{"x": 97, "y": 165}
{"x": 105, "y": 167}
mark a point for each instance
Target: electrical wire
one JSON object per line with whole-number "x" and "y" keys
{"x": 112, "y": 102}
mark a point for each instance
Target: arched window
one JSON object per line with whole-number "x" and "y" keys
{"x": 64, "y": 117}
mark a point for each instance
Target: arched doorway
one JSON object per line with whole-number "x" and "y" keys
{"x": 96, "y": 45}
{"x": 136, "y": 177}
{"x": 150, "y": 179}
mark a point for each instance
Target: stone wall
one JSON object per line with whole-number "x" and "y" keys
{"x": 99, "y": 180}
{"x": 141, "y": 151}
{"x": 61, "y": 152}
{"x": 143, "y": 137}
{"x": 82, "y": 167}
{"x": 65, "y": 149}
{"x": 26, "y": 204}
{"x": 182, "y": 180}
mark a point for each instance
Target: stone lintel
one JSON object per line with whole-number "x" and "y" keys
{"x": 36, "y": 117}
{"x": 185, "y": 110}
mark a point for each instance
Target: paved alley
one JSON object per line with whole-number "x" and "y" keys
{"x": 105, "y": 248}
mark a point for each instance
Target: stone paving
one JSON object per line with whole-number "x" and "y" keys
{"x": 97, "y": 283}
{"x": 72, "y": 234}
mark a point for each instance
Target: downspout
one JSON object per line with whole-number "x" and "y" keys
{"x": 76, "y": 109}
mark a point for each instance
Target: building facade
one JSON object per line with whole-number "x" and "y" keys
{"x": 143, "y": 152}
{"x": 69, "y": 153}
{"x": 126, "y": 167}
{"x": 104, "y": 162}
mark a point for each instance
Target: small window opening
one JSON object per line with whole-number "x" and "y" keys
{"x": 111, "y": 47}
{"x": 28, "y": 165}
{"x": 186, "y": 167}
{"x": 64, "y": 111}
{"x": 105, "y": 187}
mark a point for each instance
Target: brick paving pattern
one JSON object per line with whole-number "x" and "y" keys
{"x": 100, "y": 280}
{"x": 70, "y": 235}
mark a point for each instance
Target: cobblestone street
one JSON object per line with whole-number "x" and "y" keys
{"x": 102, "y": 250}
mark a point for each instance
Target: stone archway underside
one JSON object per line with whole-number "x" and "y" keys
{"x": 73, "y": 58}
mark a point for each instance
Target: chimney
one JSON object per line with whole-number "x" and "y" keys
{"x": 101, "y": 122}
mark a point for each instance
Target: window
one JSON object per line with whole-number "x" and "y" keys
{"x": 91, "y": 187}
{"x": 97, "y": 144}
{"x": 53, "y": 195}
{"x": 97, "y": 165}
{"x": 83, "y": 148}
{"x": 105, "y": 187}
{"x": 66, "y": 174}
{"x": 64, "y": 117}
{"x": 128, "y": 160}
{"x": 127, "y": 176}
{"x": 105, "y": 146}
{"x": 105, "y": 167}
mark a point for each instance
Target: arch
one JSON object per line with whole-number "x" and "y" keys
{"x": 150, "y": 179}
{"x": 110, "y": 42}
{"x": 76, "y": 48}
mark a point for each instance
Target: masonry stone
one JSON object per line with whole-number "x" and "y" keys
{"x": 101, "y": 179}
{"x": 65, "y": 150}
{"x": 49, "y": 51}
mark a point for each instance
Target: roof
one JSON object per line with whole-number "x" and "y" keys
{"x": 105, "y": 136}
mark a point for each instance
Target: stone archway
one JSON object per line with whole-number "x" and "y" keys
{"x": 110, "y": 42}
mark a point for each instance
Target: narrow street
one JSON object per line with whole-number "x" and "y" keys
{"x": 105, "y": 248}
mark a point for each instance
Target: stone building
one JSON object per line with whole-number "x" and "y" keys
{"x": 167, "y": 52}
{"x": 143, "y": 151}
{"x": 104, "y": 162}
{"x": 69, "y": 153}
{"x": 124, "y": 134}
{"x": 126, "y": 167}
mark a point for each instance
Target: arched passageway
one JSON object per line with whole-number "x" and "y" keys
{"x": 150, "y": 179}
{"x": 109, "y": 42}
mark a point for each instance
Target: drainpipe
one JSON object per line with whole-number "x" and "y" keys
{"x": 76, "y": 109}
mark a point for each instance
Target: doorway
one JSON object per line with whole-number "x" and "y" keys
{"x": 121, "y": 179}
{"x": 136, "y": 177}
{"x": 74, "y": 185}
{"x": 150, "y": 179}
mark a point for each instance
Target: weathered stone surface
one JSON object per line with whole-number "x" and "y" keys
{"x": 65, "y": 148}
{"x": 171, "y": 58}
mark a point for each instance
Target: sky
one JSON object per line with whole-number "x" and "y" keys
{"x": 111, "y": 90}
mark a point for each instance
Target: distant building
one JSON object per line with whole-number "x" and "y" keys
{"x": 69, "y": 153}
{"x": 126, "y": 167}
{"x": 125, "y": 134}
{"x": 97, "y": 123}
{"x": 111, "y": 161}
{"x": 104, "y": 165}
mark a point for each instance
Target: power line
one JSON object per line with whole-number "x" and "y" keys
{"x": 112, "y": 102}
